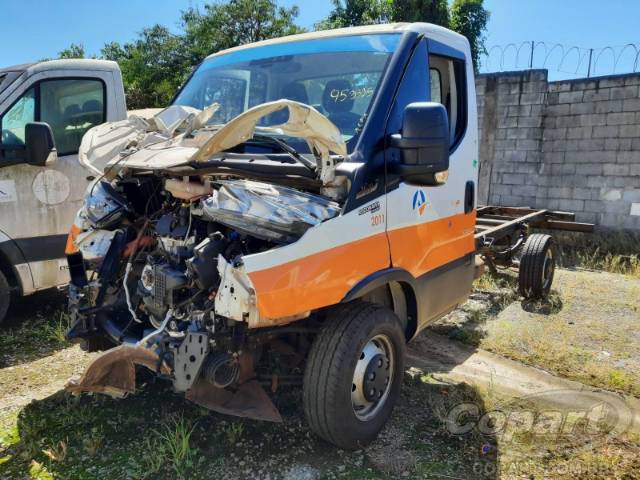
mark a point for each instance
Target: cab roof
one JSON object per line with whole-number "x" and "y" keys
{"x": 64, "y": 64}
{"x": 9, "y": 74}
{"x": 430, "y": 30}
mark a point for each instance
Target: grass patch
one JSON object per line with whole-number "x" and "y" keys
{"x": 35, "y": 337}
{"x": 171, "y": 446}
{"x": 156, "y": 434}
{"x": 233, "y": 432}
{"x": 609, "y": 251}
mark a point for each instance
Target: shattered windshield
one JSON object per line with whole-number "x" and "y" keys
{"x": 337, "y": 76}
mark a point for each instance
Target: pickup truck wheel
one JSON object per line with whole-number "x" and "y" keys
{"x": 353, "y": 374}
{"x": 5, "y": 296}
{"x": 537, "y": 266}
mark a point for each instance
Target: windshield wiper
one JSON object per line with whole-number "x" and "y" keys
{"x": 285, "y": 147}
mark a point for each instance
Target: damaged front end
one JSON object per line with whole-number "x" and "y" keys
{"x": 156, "y": 254}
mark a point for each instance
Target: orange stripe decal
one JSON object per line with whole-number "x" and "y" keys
{"x": 324, "y": 278}
{"x": 425, "y": 246}
{"x": 320, "y": 279}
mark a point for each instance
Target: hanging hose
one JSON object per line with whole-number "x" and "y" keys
{"x": 128, "y": 270}
{"x": 158, "y": 330}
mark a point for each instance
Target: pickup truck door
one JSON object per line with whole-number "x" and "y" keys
{"x": 38, "y": 204}
{"x": 431, "y": 228}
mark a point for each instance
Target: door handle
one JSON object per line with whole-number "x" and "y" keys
{"x": 469, "y": 196}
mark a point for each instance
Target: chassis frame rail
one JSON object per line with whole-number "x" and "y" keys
{"x": 502, "y": 231}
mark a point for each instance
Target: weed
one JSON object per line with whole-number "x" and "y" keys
{"x": 9, "y": 436}
{"x": 43, "y": 333}
{"x": 56, "y": 332}
{"x": 620, "y": 379}
{"x": 545, "y": 306}
{"x": 233, "y": 431}
{"x": 154, "y": 460}
{"x": 172, "y": 444}
{"x": 477, "y": 315}
{"x": 57, "y": 452}
{"x": 485, "y": 282}
{"x": 610, "y": 251}
{"x": 93, "y": 443}
{"x": 37, "y": 471}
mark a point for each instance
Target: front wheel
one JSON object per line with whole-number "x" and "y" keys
{"x": 353, "y": 374}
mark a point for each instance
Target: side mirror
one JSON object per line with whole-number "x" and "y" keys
{"x": 39, "y": 144}
{"x": 423, "y": 144}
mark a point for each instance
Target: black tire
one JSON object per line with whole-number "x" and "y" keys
{"x": 537, "y": 266}
{"x": 5, "y": 297}
{"x": 331, "y": 372}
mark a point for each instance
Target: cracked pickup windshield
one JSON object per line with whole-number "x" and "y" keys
{"x": 338, "y": 77}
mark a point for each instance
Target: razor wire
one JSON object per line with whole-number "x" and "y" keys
{"x": 564, "y": 59}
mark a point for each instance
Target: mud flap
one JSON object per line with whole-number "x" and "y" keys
{"x": 249, "y": 400}
{"x": 114, "y": 372}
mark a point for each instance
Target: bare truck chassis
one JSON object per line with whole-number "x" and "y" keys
{"x": 504, "y": 233}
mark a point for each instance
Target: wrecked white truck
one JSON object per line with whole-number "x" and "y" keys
{"x": 304, "y": 207}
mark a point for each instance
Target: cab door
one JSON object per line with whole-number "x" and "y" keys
{"x": 38, "y": 203}
{"x": 431, "y": 228}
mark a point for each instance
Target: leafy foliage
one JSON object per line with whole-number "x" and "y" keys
{"x": 75, "y": 50}
{"x": 352, "y": 13}
{"x": 152, "y": 67}
{"x": 467, "y": 17}
{"x": 431, "y": 11}
{"x": 159, "y": 61}
{"x": 470, "y": 18}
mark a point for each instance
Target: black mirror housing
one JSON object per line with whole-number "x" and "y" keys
{"x": 423, "y": 143}
{"x": 39, "y": 143}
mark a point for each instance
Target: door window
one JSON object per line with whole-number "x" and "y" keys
{"x": 448, "y": 87}
{"x": 14, "y": 120}
{"x": 71, "y": 107}
{"x": 436, "y": 85}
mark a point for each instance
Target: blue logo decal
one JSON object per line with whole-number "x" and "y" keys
{"x": 419, "y": 201}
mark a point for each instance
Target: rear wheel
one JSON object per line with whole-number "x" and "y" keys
{"x": 5, "y": 296}
{"x": 537, "y": 266}
{"x": 353, "y": 374}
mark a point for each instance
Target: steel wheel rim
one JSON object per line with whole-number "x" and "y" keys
{"x": 367, "y": 403}
{"x": 547, "y": 269}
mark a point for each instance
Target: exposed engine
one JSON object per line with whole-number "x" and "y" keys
{"x": 157, "y": 284}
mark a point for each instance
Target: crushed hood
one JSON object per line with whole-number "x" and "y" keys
{"x": 179, "y": 134}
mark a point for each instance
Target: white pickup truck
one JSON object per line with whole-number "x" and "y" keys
{"x": 43, "y": 105}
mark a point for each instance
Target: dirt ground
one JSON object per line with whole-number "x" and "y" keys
{"x": 45, "y": 433}
{"x": 587, "y": 330}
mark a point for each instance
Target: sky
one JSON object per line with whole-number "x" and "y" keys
{"x": 34, "y": 29}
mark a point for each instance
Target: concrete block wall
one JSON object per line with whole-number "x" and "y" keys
{"x": 570, "y": 145}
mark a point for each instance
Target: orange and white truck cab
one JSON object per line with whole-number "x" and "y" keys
{"x": 42, "y": 105}
{"x": 304, "y": 207}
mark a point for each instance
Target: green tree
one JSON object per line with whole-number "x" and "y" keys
{"x": 430, "y": 11}
{"x": 470, "y": 18}
{"x": 74, "y": 50}
{"x": 351, "y": 13}
{"x": 153, "y": 66}
{"x": 467, "y": 17}
{"x": 236, "y": 22}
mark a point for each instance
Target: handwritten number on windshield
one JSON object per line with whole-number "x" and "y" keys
{"x": 351, "y": 94}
